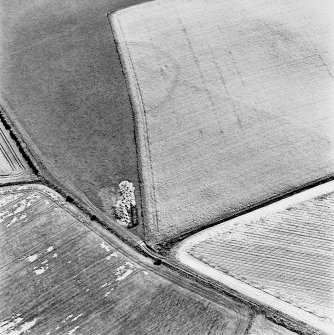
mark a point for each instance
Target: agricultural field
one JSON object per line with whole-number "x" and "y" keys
{"x": 233, "y": 103}
{"x": 59, "y": 277}
{"x": 12, "y": 165}
{"x": 62, "y": 83}
{"x": 281, "y": 254}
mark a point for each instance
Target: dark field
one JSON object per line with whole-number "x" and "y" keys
{"x": 61, "y": 77}
{"x": 58, "y": 277}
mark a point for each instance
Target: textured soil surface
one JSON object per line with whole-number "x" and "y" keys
{"x": 287, "y": 254}
{"x": 59, "y": 277}
{"x": 12, "y": 165}
{"x": 261, "y": 326}
{"x": 61, "y": 78}
{"x": 234, "y": 104}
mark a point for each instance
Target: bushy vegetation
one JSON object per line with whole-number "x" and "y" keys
{"x": 126, "y": 200}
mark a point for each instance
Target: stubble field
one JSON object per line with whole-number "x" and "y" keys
{"x": 285, "y": 253}
{"x": 233, "y": 102}
{"x": 59, "y": 277}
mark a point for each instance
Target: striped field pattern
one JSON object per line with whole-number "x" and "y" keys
{"x": 12, "y": 164}
{"x": 59, "y": 277}
{"x": 287, "y": 254}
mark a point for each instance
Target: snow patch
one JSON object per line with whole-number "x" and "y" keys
{"x": 114, "y": 254}
{"x": 55, "y": 255}
{"x": 41, "y": 270}
{"x": 49, "y": 249}
{"x": 124, "y": 271}
{"x": 21, "y": 207}
{"x": 77, "y": 317}
{"x": 32, "y": 258}
{"x": 105, "y": 246}
{"x": 108, "y": 292}
{"x": 73, "y": 330}
{"x": 13, "y": 327}
{"x": 124, "y": 275}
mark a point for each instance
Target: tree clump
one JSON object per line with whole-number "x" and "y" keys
{"x": 125, "y": 202}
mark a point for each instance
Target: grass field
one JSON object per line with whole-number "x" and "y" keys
{"x": 284, "y": 252}
{"x": 59, "y": 277}
{"x": 61, "y": 78}
{"x": 233, "y": 101}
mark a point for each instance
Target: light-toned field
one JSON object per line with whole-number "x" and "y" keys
{"x": 281, "y": 255}
{"x": 58, "y": 277}
{"x": 233, "y": 101}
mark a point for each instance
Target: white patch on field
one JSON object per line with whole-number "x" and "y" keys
{"x": 108, "y": 292}
{"x": 77, "y": 317}
{"x": 8, "y": 198}
{"x": 105, "y": 246}
{"x": 14, "y": 219}
{"x": 145, "y": 273}
{"x": 104, "y": 285}
{"x": 124, "y": 275}
{"x": 124, "y": 271}
{"x": 21, "y": 206}
{"x": 32, "y": 258}
{"x": 11, "y": 327}
{"x": 87, "y": 289}
{"x": 73, "y": 330}
{"x": 41, "y": 270}
{"x": 114, "y": 254}
{"x": 44, "y": 261}
{"x": 17, "y": 218}
{"x": 27, "y": 326}
{"x": 67, "y": 318}
{"x": 8, "y": 325}
{"x": 55, "y": 255}
{"x": 69, "y": 262}
{"x": 49, "y": 249}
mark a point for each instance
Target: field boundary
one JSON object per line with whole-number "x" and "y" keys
{"x": 182, "y": 254}
{"x": 134, "y": 247}
{"x": 159, "y": 240}
{"x": 142, "y": 137}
